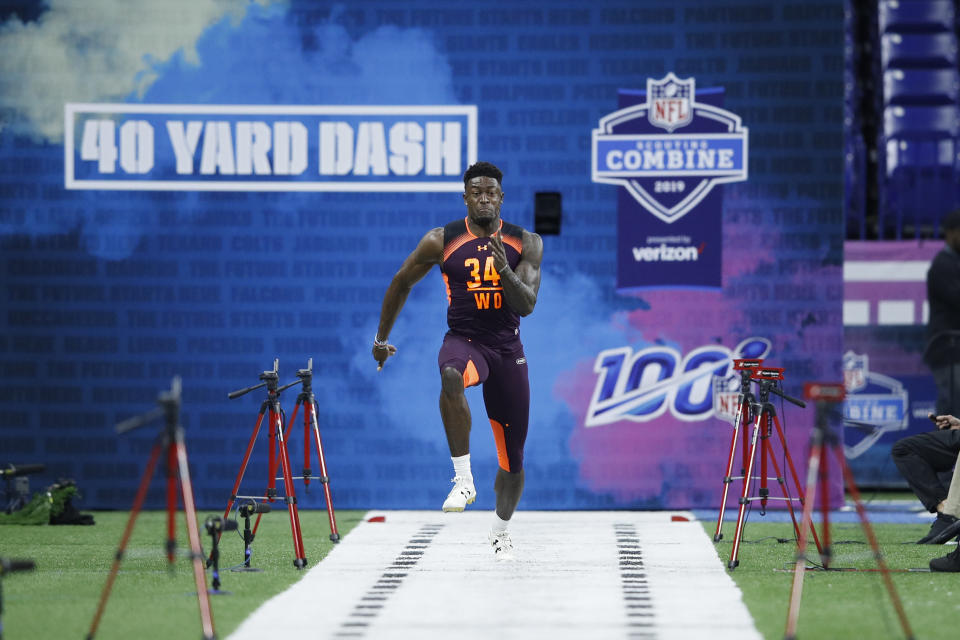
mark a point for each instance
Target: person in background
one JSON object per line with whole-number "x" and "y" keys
{"x": 951, "y": 507}
{"x": 942, "y": 353}
{"x": 921, "y": 458}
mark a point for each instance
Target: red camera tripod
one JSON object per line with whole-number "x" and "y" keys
{"x": 828, "y": 397}
{"x": 765, "y": 418}
{"x": 745, "y": 402}
{"x": 277, "y": 447}
{"x": 308, "y": 401}
{"x": 170, "y": 442}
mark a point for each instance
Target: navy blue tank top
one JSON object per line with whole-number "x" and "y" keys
{"x": 477, "y": 308}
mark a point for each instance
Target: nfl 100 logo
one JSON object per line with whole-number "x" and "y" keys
{"x": 670, "y": 151}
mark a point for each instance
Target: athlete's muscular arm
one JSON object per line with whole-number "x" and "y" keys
{"x": 520, "y": 287}
{"x": 429, "y": 252}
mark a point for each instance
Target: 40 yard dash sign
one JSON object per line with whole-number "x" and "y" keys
{"x": 268, "y": 148}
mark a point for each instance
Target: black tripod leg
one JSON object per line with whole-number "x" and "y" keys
{"x": 171, "y": 504}
{"x": 307, "y": 471}
{"x": 134, "y": 512}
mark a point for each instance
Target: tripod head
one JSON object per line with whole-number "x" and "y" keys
{"x": 746, "y": 367}
{"x": 828, "y": 398}
{"x": 169, "y": 402}
{"x": 271, "y": 379}
{"x": 306, "y": 376}
{"x": 768, "y": 378}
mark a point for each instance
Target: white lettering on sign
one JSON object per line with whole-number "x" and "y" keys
{"x": 284, "y": 148}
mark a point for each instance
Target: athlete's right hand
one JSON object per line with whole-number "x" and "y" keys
{"x": 381, "y": 353}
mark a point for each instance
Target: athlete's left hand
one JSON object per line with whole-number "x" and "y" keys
{"x": 497, "y": 251}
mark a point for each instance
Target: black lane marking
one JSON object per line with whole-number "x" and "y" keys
{"x": 641, "y": 619}
{"x": 372, "y": 601}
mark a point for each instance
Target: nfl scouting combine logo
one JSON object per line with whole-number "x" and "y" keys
{"x": 874, "y": 405}
{"x": 668, "y": 147}
{"x": 666, "y": 171}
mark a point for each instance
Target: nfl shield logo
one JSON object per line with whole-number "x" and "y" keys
{"x": 855, "y": 370}
{"x": 669, "y": 101}
{"x": 726, "y": 397}
{"x": 669, "y": 172}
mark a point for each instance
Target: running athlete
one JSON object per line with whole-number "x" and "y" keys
{"x": 492, "y": 272}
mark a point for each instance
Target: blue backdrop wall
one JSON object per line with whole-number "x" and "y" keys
{"x": 108, "y": 293}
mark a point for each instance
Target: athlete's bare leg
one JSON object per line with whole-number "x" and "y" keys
{"x": 508, "y": 487}
{"x": 455, "y": 412}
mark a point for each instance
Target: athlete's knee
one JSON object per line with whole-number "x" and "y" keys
{"x": 451, "y": 381}
{"x": 509, "y": 478}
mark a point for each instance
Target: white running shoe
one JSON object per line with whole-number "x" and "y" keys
{"x": 502, "y": 545}
{"x": 462, "y": 494}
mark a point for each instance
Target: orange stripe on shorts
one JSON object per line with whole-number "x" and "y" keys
{"x": 470, "y": 375}
{"x": 501, "y": 443}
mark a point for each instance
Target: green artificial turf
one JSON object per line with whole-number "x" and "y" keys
{"x": 839, "y": 605}
{"x": 150, "y": 598}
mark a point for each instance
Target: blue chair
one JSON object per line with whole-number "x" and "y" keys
{"x": 904, "y": 50}
{"x": 913, "y": 200}
{"x": 920, "y": 122}
{"x": 920, "y": 152}
{"x": 921, "y": 166}
{"x": 921, "y": 87}
{"x": 916, "y": 16}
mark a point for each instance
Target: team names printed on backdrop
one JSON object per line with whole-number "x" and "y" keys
{"x": 268, "y": 148}
{"x": 643, "y": 385}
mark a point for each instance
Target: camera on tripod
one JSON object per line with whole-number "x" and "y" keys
{"x": 746, "y": 364}
{"x": 767, "y": 373}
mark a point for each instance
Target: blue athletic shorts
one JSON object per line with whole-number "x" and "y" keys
{"x": 506, "y": 390}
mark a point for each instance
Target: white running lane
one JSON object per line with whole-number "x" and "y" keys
{"x": 577, "y": 575}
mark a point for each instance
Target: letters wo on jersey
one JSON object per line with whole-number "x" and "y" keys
{"x": 670, "y": 150}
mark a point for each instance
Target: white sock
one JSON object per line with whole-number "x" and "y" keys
{"x": 461, "y": 466}
{"x": 499, "y": 524}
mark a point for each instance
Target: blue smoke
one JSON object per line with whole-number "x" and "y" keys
{"x": 268, "y": 59}
{"x": 265, "y": 58}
